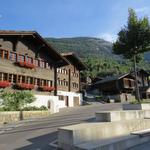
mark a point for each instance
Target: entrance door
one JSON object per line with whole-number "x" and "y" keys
{"x": 76, "y": 101}
{"x": 67, "y": 101}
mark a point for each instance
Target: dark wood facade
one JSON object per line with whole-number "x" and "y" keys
{"x": 143, "y": 82}
{"x": 115, "y": 85}
{"x": 27, "y": 59}
{"x": 68, "y": 78}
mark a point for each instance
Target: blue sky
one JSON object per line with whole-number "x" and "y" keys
{"x": 70, "y": 18}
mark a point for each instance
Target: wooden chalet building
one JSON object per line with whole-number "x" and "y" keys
{"x": 28, "y": 62}
{"x": 119, "y": 88}
{"x": 68, "y": 81}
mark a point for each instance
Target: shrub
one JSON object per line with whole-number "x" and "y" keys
{"x": 14, "y": 101}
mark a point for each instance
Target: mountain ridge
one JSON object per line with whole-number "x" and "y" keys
{"x": 97, "y": 54}
{"x": 83, "y": 46}
{"x": 93, "y": 46}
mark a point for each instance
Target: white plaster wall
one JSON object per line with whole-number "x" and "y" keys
{"x": 42, "y": 100}
{"x": 70, "y": 95}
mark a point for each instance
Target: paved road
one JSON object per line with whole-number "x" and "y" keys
{"x": 38, "y": 134}
{"x": 145, "y": 146}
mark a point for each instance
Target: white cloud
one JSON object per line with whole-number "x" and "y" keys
{"x": 142, "y": 10}
{"x": 108, "y": 37}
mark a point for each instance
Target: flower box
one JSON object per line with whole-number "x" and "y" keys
{"x": 46, "y": 88}
{"x": 25, "y": 86}
{"x": 26, "y": 64}
{"x": 4, "y": 84}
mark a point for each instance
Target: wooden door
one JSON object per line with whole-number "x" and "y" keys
{"x": 67, "y": 101}
{"x": 76, "y": 101}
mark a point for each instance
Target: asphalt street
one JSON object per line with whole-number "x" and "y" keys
{"x": 41, "y": 134}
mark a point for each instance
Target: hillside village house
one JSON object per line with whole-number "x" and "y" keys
{"x": 120, "y": 88}
{"x": 68, "y": 81}
{"x": 28, "y": 62}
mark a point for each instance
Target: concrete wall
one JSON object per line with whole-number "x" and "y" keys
{"x": 45, "y": 100}
{"x": 13, "y": 116}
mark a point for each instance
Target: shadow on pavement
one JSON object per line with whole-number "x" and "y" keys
{"x": 41, "y": 142}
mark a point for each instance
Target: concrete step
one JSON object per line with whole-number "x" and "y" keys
{"x": 142, "y": 133}
{"x": 110, "y": 116}
{"x": 97, "y": 131}
{"x": 117, "y": 143}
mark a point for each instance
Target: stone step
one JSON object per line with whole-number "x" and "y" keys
{"x": 110, "y": 116}
{"x": 117, "y": 143}
{"x": 142, "y": 133}
{"x": 86, "y": 132}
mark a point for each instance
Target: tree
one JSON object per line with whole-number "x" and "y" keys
{"x": 133, "y": 40}
{"x": 15, "y": 101}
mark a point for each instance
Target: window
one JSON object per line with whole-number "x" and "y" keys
{"x": 45, "y": 83}
{"x": 12, "y": 56}
{"x": 51, "y": 83}
{"x": 41, "y": 82}
{"x": 42, "y": 64}
{"x": 47, "y": 65}
{"x": 21, "y": 58}
{"x": 5, "y": 54}
{"x": 5, "y": 76}
{"x": 1, "y": 53}
{"x": 14, "y": 80}
{"x": 37, "y": 81}
{"x": 36, "y": 62}
{"x": 61, "y": 97}
{"x": 75, "y": 85}
{"x": 19, "y": 79}
{"x": 10, "y": 77}
{"x": 29, "y": 80}
{"x": 61, "y": 82}
{"x": 66, "y": 83}
{"x": 58, "y": 81}
{"x": 28, "y": 59}
{"x": 1, "y": 76}
{"x": 58, "y": 70}
{"x": 23, "y": 79}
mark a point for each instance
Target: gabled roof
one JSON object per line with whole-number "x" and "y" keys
{"x": 74, "y": 60}
{"x": 56, "y": 57}
{"x": 147, "y": 72}
{"x": 109, "y": 79}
